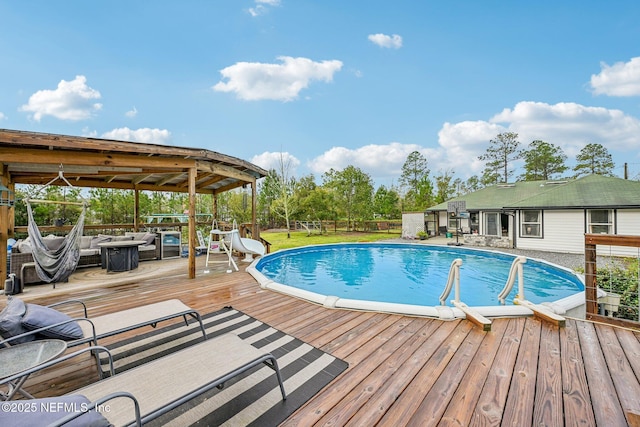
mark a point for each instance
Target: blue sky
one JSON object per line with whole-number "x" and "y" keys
{"x": 328, "y": 83}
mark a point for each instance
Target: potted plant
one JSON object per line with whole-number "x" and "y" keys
{"x": 422, "y": 235}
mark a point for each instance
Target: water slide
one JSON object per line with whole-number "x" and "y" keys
{"x": 247, "y": 246}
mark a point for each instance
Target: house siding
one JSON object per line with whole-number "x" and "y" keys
{"x": 563, "y": 231}
{"x": 627, "y": 223}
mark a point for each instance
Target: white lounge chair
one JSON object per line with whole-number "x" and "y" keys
{"x": 165, "y": 383}
{"x": 107, "y": 325}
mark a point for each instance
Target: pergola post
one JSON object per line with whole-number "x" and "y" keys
{"x": 6, "y": 225}
{"x": 136, "y": 210}
{"x": 255, "y": 231}
{"x": 193, "y": 173}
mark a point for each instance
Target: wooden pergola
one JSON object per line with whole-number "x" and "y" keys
{"x": 37, "y": 158}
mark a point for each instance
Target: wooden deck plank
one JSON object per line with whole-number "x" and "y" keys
{"x": 575, "y": 389}
{"x": 368, "y": 356}
{"x": 631, "y": 347}
{"x": 622, "y": 375}
{"x": 435, "y": 402}
{"x": 401, "y": 412}
{"x": 465, "y": 399}
{"x": 401, "y": 345}
{"x": 375, "y": 408}
{"x": 604, "y": 400}
{"x": 548, "y": 399}
{"x": 490, "y": 406}
{"x": 400, "y": 366}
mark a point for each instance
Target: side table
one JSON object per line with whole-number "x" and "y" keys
{"x": 21, "y": 357}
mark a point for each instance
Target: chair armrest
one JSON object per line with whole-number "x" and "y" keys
{"x": 95, "y": 349}
{"x": 68, "y": 302}
{"x": 101, "y": 402}
{"x": 94, "y": 338}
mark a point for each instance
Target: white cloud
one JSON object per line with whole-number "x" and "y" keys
{"x": 383, "y": 40}
{"x": 261, "y": 8}
{"x": 131, "y": 113}
{"x": 271, "y": 160}
{"x": 379, "y": 161}
{"x": 254, "y": 81}
{"x": 571, "y": 126}
{"x": 619, "y": 79}
{"x": 2, "y": 116}
{"x": 147, "y": 135}
{"x": 72, "y": 100}
{"x": 463, "y": 142}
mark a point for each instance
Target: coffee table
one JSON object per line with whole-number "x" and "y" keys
{"x": 120, "y": 256}
{"x": 22, "y": 357}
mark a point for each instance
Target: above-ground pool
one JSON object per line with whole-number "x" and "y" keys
{"x": 407, "y": 278}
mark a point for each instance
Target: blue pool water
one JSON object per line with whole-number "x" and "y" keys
{"x": 412, "y": 273}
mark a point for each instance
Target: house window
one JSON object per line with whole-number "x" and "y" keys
{"x": 531, "y": 225}
{"x": 492, "y": 224}
{"x": 600, "y": 221}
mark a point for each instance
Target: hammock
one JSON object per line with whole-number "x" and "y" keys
{"x": 55, "y": 265}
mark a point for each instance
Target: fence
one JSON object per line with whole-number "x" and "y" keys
{"x": 618, "y": 277}
{"x": 387, "y": 226}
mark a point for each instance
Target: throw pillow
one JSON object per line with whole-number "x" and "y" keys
{"x": 53, "y": 243}
{"x": 149, "y": 238}
{"x": 38, "y": 316}
{"x": 85, "y": 242}
{"x": 24, "y": 246}
{"x": 11, "y": 321}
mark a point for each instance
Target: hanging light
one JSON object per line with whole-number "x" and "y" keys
{"x": 7, "y": 197}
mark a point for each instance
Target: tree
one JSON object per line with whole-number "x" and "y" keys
{"x": 501, "y": 152}
{"x": 314, "y": 203}
{"x": 472, "y": 184}
{"x": 267, "y": 194}
{"x": 594, "y": 159}
{"x": 543, "y": 160}
{"x": 287, "y": 184}
{"x": 353, "y": 190}
{"x": 444, "y": 186}
{"x": 418, "y": 190}
{"x": 386, "y": 203}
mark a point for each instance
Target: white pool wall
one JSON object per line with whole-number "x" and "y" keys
{"x": 571, "y": 306}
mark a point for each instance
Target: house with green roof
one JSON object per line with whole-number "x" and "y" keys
{"x": 542, "y": 215}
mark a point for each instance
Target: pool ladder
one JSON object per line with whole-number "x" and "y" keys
{"x": 516, "y": 272}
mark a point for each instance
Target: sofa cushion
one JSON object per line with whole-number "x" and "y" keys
{"x": 96, "y": 240}
{"x": 85, "y": 242}
{"x": 39, "y": 316}
{"x": 89, "y": 252}
{"x": 121, "y": 238}
{"x": 11, "y": 321}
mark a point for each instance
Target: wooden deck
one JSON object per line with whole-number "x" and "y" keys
{"x": 402, "y": 370}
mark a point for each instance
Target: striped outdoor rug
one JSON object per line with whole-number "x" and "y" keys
{"x": 250, "y": 399}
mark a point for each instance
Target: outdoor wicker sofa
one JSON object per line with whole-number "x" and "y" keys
{"x": 22, "y": 263}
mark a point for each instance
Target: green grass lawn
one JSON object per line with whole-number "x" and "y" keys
{"x": 279, "y": 240}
